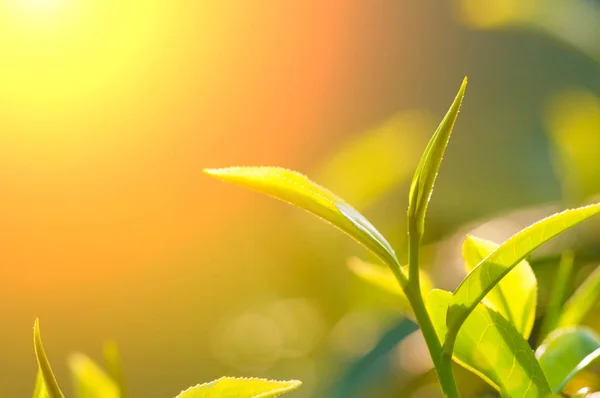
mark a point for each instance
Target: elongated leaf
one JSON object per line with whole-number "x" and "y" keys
{"x": 582, "y": 301}
{"x": 492, "y": 348}
{"x": 566, "y": 352}
{"x": 297, "y": 189}
{"x": 558, "y": 294}
{"x": 502, "y": 260}
{"x": 384, "y": 279}
{"x": 515, "y": 296}
{"x": 112, "y": 360}
{"x": 89, "y": 380}
{"x": 51, "y": 385}
{"x": 240, "y": 388}
{"x": 421, "y": 187}
{"x": 39, "y": 390}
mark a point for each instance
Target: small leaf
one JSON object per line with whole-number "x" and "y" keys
{"x": 492, "y": 348}
{"x": 51, "y": 385}
{"x": 39, "y": 390}
{"x": 421, "y": 187}
{"x": 112, "y": 360}
{"x": 501, "y": 261}
{"x": 515, "y": 297}
{"x": 582, "y": 301}
{"x": 89, "y": 380}
{"x": 240, "y": 388}
{"x": 384, "y": 279}
{"x": 296, "y": 189}
{"x": 566, "y": 352}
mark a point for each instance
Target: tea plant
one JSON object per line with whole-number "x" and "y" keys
{"x": 483, "y": 325}
{"x": 91, "y": 382}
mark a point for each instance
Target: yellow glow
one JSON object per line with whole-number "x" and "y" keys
{"x": 491, "y": 13}
{"x": 66, "y": 63}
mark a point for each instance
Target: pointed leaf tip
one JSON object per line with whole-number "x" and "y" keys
{"x": 424, "y": 178}
{"x": 51, "y": 385}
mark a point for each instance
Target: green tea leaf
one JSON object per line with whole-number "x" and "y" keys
{"x": 39, "y": 390}
{"x": 112, "y": 360}
{"x": 240, "y": 388}
{"x": 557, "y": 295}
{"x": 502, "y": 260}
{"x": 297, "y": 189}
{"x": 89, "y": 380}
{"x": 51, "y": 385}
{"x": 515, "y": 296}
{"x": 492, "y": 348}
{"x": 566, "y": 352}
{"x": 582, "y": 301}
{"x": 421, "y": 187}
{"x": 384, "y": 279}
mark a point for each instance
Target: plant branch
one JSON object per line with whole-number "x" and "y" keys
{"x": 412, "y": 290}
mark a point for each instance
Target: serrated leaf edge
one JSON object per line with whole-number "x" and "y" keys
{"x": 278, "y": 391}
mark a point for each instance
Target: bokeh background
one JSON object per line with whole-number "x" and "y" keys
{"x": 110, "y": 110}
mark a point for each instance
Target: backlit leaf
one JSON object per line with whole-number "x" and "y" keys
{"x": 515, "y": 296}
{"x": 492, "y": 348}
{"x": 39, "y": 390}
{"x": 112, "y": 360}
{"x": 297, "y": 189}
{"x": 421, "y": 187}
{"x": 582, "y": 301}
{"x": 51, "y": 385}
{"x": 240, "y": 388}
{"x": 566, "y": 352}
{"x": 89, "y": 380}
{"x": 501, "y": 261}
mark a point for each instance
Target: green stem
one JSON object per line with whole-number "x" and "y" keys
{"x": 441, "y": 361}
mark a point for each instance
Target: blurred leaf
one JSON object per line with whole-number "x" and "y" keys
{"x": 89, "y": 380}
{"x": 574, "y": 22}
{"x": 113, "y": 365}
{"x": 582, "y": 301}
{"x": 384, "y": 279}
{"x": 502, "y": 260}
{"x": 566, "y": 352}
{"x": 375, "y": 368}
{"x": 558, "y": 294}
{"x": 515, "y": 296}
{"x": 377, "y": 161}
{"x": 421, "y": 187}
{"x": 39, "y": 390}
{"x": 240, "y": 388}
{"x": 295, "y": 188}
{"x": 586, "y": 393}
{"x": 492, "y": 348}
{"x": 573, "y": 120}
{"x": 51, "y": 385}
